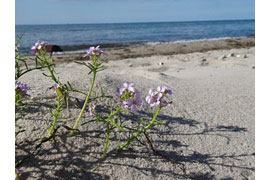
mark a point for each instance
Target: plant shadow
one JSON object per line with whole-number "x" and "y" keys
{"x": 61, "y": 160}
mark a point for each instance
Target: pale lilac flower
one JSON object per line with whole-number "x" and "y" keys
{"x": 127, "y": 87}
{"x": 93, "y": 51}
{"x": 38, "y": 45}
{"x": 22, "y": 88}
{"x": 164, "y": 90}
{"x": 56, "y": 86}
{"x": 156, "y": 97}
{"x": 123, "y": 104}
{"x": 135, "y": 101}
{"x": 128, "y": 97}
{"x": 92, "y": 108}
{"x": 153, "y": 99}
{"x": 149, "y": 96}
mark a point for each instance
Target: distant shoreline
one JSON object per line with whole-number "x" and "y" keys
{"x": 83, "y": 48}
{"x": 163, "y": 49}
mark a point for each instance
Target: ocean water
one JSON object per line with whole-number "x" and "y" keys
{"x": 78, "y": 37}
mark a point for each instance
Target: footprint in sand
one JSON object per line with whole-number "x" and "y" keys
{"x": 138, "y": 65}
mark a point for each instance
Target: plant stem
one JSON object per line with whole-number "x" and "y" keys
{"x": 141, "y": 131}
{"x": 49, "y": 67}
{"x": 85, "y": 104}
{"x": 107, "y": 139}
{"x": 109, "y": 129}
{"x": 55, "y": 116}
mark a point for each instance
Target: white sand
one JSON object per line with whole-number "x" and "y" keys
{"x": 210, "y": 127}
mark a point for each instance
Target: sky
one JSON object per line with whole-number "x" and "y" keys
{"x": 118, "y": 11}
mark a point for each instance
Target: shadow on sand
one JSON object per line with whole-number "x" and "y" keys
{"x": 59, "y": 160}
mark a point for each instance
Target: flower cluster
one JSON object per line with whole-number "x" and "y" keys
{"x": 156, "y": 96}
{"x": 128, "y": 97}
{"x": 93, "y": 51}
{"x": 21, "y": 89}
{"x": 38, "y": 45}
{"x": 92, "y": 108}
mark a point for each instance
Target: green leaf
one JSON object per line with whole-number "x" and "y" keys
{"x": 69, "y": 85}
{"x": 46, "y": 75}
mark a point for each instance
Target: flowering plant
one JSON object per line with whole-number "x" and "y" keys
{"x": 127, "y": 100}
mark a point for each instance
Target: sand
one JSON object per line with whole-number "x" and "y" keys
{"x": 209, "y": 128}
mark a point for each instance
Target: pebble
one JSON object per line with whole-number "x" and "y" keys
{"x": 131, "y": 65}
{"x": 253, "y": 67}
{"x": 238, "y": 56}
{"x": 245, "y": 56}
{"x": 204, "y": 62}
{"x": 161, "y": 63}
{"x": 230, "y": 55}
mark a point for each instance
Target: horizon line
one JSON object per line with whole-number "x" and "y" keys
{"x": 136, "y": 22}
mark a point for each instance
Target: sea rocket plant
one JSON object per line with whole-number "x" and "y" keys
{"x": 38, "y": 46}
{"x": 94, "y": 66}
{"x": 128, "y": 99}
{"x": 155, "y": 97}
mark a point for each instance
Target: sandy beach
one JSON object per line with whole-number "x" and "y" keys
{"x": 210, "y": 127}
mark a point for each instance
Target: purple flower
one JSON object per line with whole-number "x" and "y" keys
{"x": 164, "y": 90}
{"x": 93, "y": 51}
{"x": 57, "y": 89}
{"x": 22, "y": 89}
{"x": 127, "y": 87}
{"x": 135, "y": 101}
{"x": 92, "y": 108}
{"x": 38, "y": 45}
{"x": 18, "y": 171}
{"x": 123, "y": 104}
{"x": 156, "y": 97}
{"x": 153, "y": 98}
{"x": 128, "y": 97}
{"x": 56, "y": 86}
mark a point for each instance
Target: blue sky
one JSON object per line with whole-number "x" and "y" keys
{"x": 114, "y": 11}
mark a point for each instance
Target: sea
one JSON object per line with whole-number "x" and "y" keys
{"x": 79, "y": 37}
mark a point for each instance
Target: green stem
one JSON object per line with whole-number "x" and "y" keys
{"x": 85, "y": 104}
{"x": 109, "y": 129}
{"x": 49, "y": 67}
{"x": 142, "y": 131}
{"x": 56, "y": 115}
{"x": 107, "y": 139}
